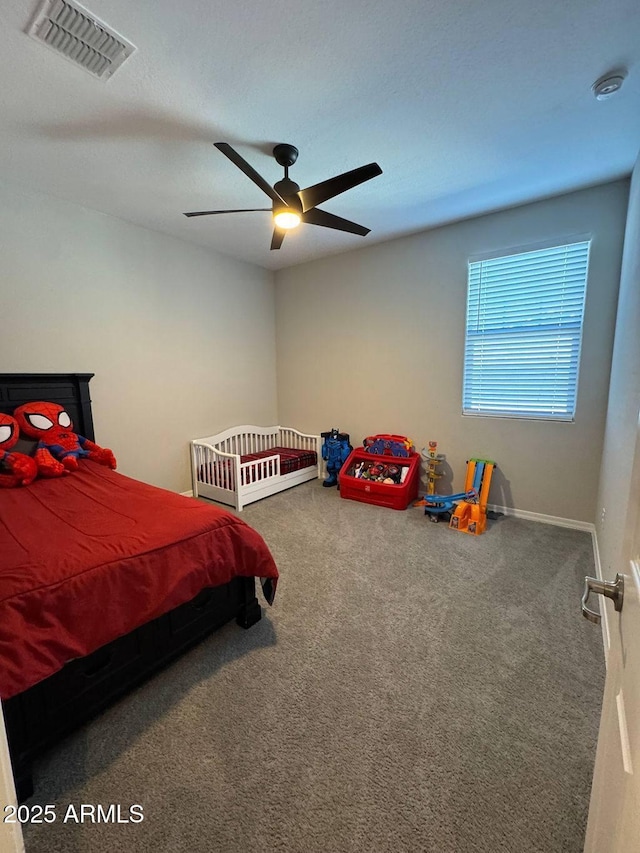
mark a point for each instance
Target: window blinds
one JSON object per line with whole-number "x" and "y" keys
{"x": 524, "y": 330}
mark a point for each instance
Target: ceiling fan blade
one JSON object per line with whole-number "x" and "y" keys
{"x": 212, "y": 212}
{"x": 315, "y": 216}
{"x": 249, "y": 171}
{"x": 312, "y": 196}
{"x": 278, "y": 237}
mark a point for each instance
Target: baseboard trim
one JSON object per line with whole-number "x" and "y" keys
{"x": 556, "y": 520}
{"x": 188, "y": 494}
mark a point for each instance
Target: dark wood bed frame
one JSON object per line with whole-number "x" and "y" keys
{"x": 42, "y": 715}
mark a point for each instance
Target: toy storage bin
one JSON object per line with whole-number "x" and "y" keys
{"x": 394, "y": 496}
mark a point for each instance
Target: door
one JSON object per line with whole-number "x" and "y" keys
{"x": 10, "y": 831}
{"x": 614, "y": 814}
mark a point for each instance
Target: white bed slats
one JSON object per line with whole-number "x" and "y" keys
{"x": 214, "y": 469}
{"x": 291, "y": 438}
{"x": 262, "y": 469}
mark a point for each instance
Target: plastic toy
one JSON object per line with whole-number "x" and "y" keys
{"x": 468, "y": 509}
{"x": 386, "y": 481}
{"x": 388, "y": 445}
{"x": 16, "y": 469}
{"x": 432, "y": 460}
{"x": 470, "y": 515}
{"x": 436, "y": 505}
{"x": 335, "y": 451}
{"x": 58, "y": 448}
{"x": 391, "y": 475}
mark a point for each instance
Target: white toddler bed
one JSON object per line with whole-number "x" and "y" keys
{"x": 236, "y": 467}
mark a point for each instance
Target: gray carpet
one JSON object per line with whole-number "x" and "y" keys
{"x": 412, "y": 689}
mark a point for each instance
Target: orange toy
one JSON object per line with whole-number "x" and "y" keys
{"x": 470, "y": 515}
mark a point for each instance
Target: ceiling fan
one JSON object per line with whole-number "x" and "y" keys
{"x": 290, "y": 204}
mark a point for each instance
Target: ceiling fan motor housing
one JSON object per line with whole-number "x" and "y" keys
{"x": 288, "y": 190}
{"x": 286, "y": 155}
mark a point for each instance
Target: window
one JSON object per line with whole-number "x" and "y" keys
{"x": 524, "y": 329}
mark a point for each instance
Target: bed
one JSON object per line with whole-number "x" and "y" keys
{"x": 160, "y": 569}
{"x": 247, "y": 463}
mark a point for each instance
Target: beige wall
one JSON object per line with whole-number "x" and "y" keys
{"x": 182, "y": 341}
{"x": 373, "y": 340}
{"x": 618, "y": 495}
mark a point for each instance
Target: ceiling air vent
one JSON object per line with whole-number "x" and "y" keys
{"x": 80, "y": 37}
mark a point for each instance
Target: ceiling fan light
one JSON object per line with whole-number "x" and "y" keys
{"x": 287, "y": 218}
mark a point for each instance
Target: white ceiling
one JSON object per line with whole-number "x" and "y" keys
{"x": 467, "y": 106}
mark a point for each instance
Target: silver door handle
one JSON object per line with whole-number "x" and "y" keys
{"x": 612, "y": 589}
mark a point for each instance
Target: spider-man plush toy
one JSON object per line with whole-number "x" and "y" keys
{"x": 16, "y": 469}
{"x": 58, "y": 448}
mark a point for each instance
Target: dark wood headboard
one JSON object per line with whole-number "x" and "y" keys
{"x": 70, "y": 390}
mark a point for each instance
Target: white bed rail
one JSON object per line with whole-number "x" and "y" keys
{"x": 259, "y": 470}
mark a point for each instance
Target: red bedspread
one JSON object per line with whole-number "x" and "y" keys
{"x": 89, "y": 557}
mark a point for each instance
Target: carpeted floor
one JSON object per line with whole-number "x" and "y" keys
{"x": 412, "y": 689}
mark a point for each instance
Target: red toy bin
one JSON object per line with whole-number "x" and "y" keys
{"x": 392, "y": 495}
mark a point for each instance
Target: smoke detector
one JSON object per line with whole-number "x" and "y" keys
{"x": 75, "y": 33}
{"x": 608, "y": 85}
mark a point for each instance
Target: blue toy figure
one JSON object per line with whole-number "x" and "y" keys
{"x": 335, "y": 450}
